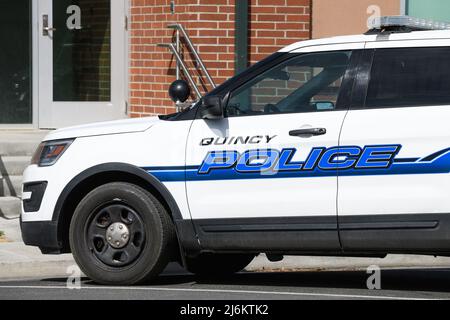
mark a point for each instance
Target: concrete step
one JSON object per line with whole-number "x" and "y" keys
{"x": 20, "y": 142}
{"x": 13, "y": 166}
{"x": 11, "y": 186}
{"x": 18, "y": 148}
{"x": 11, "y": 229}
{"x": 10, "y": 207}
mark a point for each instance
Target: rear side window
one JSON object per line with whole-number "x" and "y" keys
{"x": 409, "y": 77}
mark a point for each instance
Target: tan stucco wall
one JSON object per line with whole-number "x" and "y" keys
{"x": 342, "y": 17}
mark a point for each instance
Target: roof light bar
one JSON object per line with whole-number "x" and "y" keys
{"x": 407, "y": 22}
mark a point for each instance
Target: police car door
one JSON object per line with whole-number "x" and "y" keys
{"x": 397, "y": 196}
{"x": 265, "y": 175}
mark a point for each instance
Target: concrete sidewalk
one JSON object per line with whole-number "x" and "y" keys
{"x": 307, "y": 263}
{"x": 19, "y": 261}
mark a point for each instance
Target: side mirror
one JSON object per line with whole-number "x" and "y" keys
{"x": 179, "y": 91}
{"x": 212, "y": 108}
{"x": 324, "y": 105}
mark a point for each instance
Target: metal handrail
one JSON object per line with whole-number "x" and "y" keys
{"x": 179, "y": 27}
{"x": 183, "y": 66}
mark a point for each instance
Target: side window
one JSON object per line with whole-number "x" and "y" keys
{"x": 409, "y": 77}
{"x": 306, "y": 83}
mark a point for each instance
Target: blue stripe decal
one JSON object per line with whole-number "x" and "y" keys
{"x": 437, "y": 163}
{"x": 402, "y": 160}
{"x": 435, "y": 155}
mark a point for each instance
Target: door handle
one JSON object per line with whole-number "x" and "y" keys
{"x": 45, "y": 28}
{"x": 308, "y": 132}
{"x": 49, "y": 29}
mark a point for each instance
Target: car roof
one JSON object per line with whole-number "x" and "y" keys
{"x": 413, "y": 35}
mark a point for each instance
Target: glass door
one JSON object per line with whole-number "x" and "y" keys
{"x": 82, "y": 61}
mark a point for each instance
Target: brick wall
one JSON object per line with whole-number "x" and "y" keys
{"x": 92, "y": 52}
{"x": 210, "y": 24}
{"x": 275, "y": 24}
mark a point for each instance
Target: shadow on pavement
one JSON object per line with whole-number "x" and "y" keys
{"x": 428, "y": 280}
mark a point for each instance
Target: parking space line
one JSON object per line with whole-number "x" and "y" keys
{"x": 285, "y": 293}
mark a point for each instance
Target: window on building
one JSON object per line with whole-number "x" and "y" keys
{"x": 82, "y": 50}
{"x": 307, "y": 83}
{"x": 15, "y": 62}
{"x": 409, "y": 77}
{"x": 438, "y": 10}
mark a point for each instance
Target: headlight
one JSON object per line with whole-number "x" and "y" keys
{"x": 49, "y": 152}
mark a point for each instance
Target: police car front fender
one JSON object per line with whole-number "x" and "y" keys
{"x": 95, "y": 176}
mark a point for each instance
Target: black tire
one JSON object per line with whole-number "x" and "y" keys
{"x": 213, "y": 265}
{"x": 150, "y": 233}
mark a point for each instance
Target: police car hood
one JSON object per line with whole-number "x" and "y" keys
{"x": 103, "y": 128}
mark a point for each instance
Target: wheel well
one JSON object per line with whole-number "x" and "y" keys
{"x": 87, "y": 185}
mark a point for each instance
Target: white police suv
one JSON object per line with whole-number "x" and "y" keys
{"x": 336, "y": 147}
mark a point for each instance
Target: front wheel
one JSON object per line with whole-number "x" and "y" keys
{"x": 121, "y": 235}
{"x": 218, "y": 264}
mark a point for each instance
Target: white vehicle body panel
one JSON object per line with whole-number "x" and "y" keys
{"x": 343, "y": 40}
{"x": 330, "y": 47}
{"x": 141, "y": 149}
{"x": 103, "y": 128}
{"x": 263, "y": 197}
{"x": 421, "y": 131}
{"x": 266, "y": 197}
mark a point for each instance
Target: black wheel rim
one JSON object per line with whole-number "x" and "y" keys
{"x": 116, "y": 249}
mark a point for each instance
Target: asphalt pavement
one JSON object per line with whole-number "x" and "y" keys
{"x": 27, "y": 274}
{"x": 174, "y": 284}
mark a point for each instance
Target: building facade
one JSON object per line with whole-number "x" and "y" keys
{"x": 211, "y": 25}
{"x": 68, "y": 62}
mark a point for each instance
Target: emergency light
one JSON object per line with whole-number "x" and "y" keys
{"x": 406, "y": 23}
